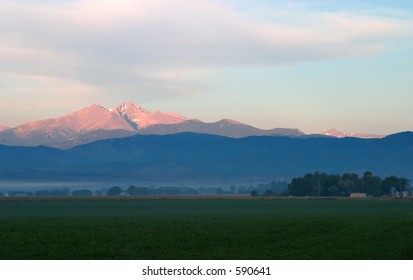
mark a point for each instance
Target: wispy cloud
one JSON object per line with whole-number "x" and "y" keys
{"x": 29, "y": 97}
{"x": 160, "y": 47}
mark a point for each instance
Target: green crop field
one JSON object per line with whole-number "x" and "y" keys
{"x": 206, "y": 229}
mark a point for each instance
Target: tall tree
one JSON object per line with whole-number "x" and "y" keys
{"x": 114, "y": 191}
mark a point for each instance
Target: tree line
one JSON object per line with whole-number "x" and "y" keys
{"x": 132, "y": 190}
{"x": 262, "y": 189}
{"x": 322, "y": 184}
{"x": 51, "y": 192}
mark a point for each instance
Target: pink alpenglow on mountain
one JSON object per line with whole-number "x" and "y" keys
{"x": 339, "y": 134}
{"x": 2, "y": 128}
{"x": 95, "y": 123}
{"x": 143, "y": 118}
{"x": 95, "y": 117}
{"x": 87, "y": 119}
{"x": 86, "y": 125}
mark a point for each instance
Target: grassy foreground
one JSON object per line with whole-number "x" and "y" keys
{"x": 206, "y": 229}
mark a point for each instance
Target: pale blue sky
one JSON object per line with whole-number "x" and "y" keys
{"x": 312, "y": 65}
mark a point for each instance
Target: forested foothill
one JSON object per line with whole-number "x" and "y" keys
{"x": 190, "y": 158}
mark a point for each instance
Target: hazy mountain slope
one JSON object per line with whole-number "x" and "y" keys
{"x": 93, "y": 136}
{"x": 37, "y": 163}
{"x": 37, "y": 157}
{"x": 223, "y": 127}
{"x": 190, "y": 156}
{"x": 263, "y": 156}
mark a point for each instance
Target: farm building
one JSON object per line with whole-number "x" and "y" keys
{"x": 358, "y": 195}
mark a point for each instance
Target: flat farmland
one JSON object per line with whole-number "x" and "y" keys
{"x": 205, "y": 229}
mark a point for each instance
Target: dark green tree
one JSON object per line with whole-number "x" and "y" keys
{"x": 404, "y": 184}
{"x": 133, "y": 190}
{"x": 114, "y": 191}
{"x": 82, "y": 193}
{"x": 388, "y": 183}
{"x": 371, "y": 184}
{"x": 349, "y": 183}
{"x": 268, "y": 193}
{"x": 399, "y": 183}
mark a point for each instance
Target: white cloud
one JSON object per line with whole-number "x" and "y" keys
{"x": 165, "y": 47}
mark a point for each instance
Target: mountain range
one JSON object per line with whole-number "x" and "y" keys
{"x": 129, "y": 143}
{"x": 96, "y": 123}
{"x": 191, "y": 157}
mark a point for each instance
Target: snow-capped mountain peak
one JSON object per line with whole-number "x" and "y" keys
{"x": 140, "y": 117}
{"x": 339, "y": 134}
{"x": 334, "y": 133}
{"x": 132, "y": 113}
{"x": 130, "y": 107}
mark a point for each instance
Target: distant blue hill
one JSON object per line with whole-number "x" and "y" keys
{"x": 191, "y": 157}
